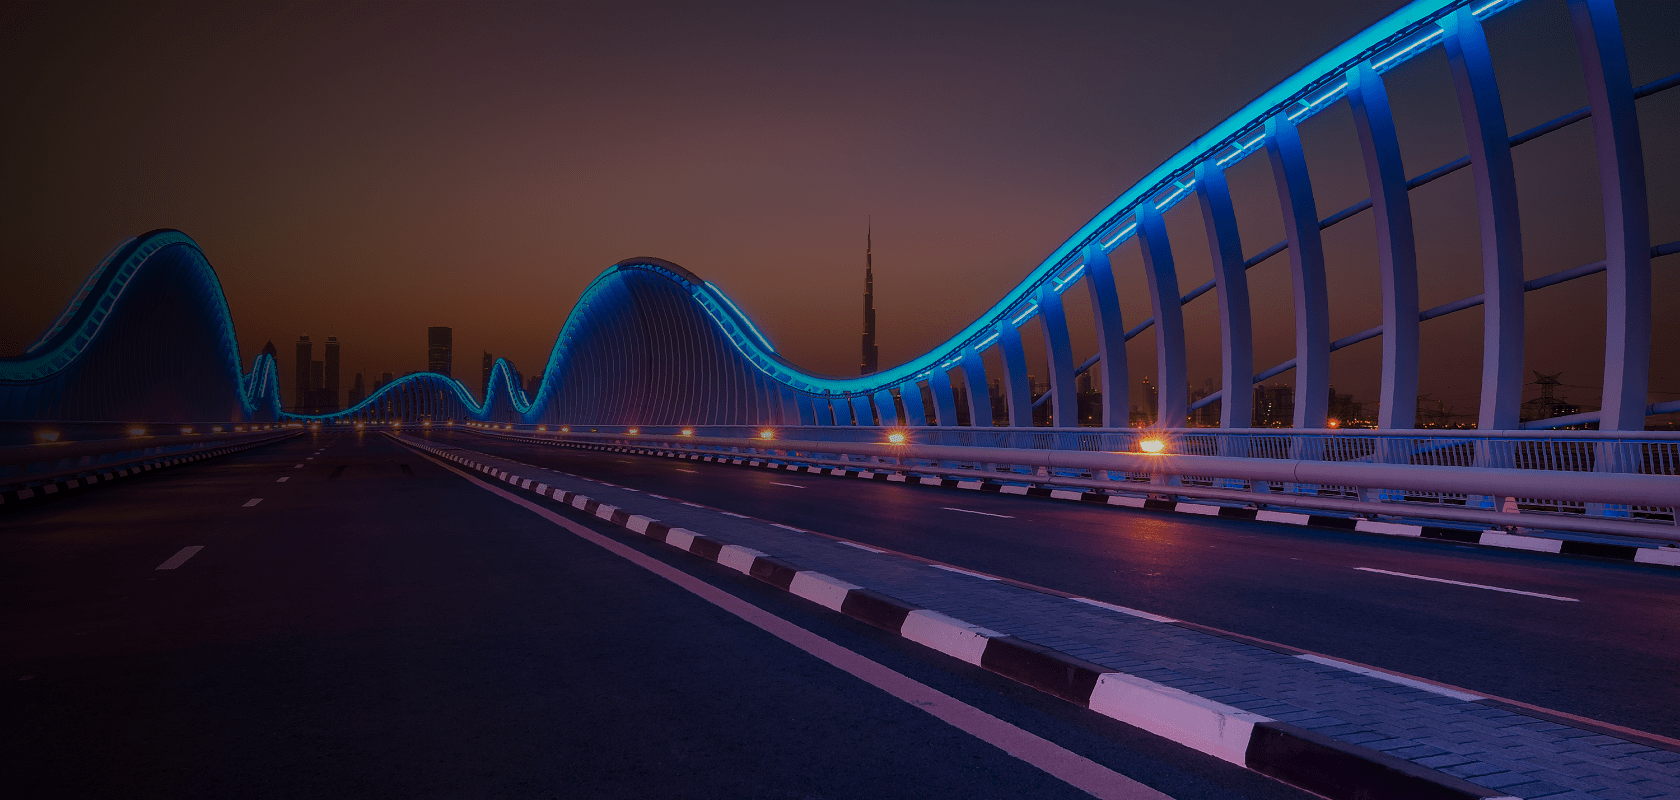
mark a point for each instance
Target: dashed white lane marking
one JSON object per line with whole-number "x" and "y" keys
{"x": 861, "y": 547}
{"x": 308, "y": 458}
{"x": 733, "y": 514}
{"x": 1078, "y": 771}
{"x": 251, "y": 502}
{"x": 789, "y": 527}
{"x": 1471, "y": 585}
{"x": 964, "y": 572}
{"x": 680, "y": 469}
{"x": 282, "y": 480}
{"x": 300, "y": 466}
{"x": 982, "y": 513}
{"x": 792, "y": 485}
{"x": 181, "y": 558}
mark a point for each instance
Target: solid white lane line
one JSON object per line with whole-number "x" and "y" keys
{"x": 964, "y": 572}
{"x": 251, "y": 502}
{"x": 733, "y": 514}
{"x": 861, "y": 547}
{"x": 1403, "y": 681}
{"x": 282, "y": 480}
{"x": 680, "y": 469}
{"x": 1076, "y": 770}
{"x": 1471, "y": 585}
{"x": 792, "y": 485}
{"x": 982, "y": 513}
{"x": 181, "y": 558}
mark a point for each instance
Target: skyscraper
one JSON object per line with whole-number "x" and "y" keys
{"x": 329, "y": 384}
{"x": 871, "y": 354}
{"x": 305, "y": 355}
{"x": 440, "y": 346}
{"x": 358, "y": 392}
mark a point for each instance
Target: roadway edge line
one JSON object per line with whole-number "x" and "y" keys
{"x": 1296, "y": 756}
{"x": 1663, "y": 556}
{"x": 30, "y": 496}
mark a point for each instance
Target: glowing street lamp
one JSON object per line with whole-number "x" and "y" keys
{"x": 1152, "y": 445}
{"x": 766, "y": 434}
{"x": 688, "y": 431}
{"x": 895, "y": 437}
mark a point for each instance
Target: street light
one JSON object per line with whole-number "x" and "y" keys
{"x": 895, "y": 437}
{"x": 1152, "y": 445}
{"x": 766, "y": 434}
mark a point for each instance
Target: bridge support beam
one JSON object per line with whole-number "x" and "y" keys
{"x": 1306, "y": 264}
{"x": 1496, "y": 208}
{"x": 1396, "y": 246}
{"x": 944, "y": 398}
{"x": 885, "y": 409}
{"x": 1627, "y": 223}
{"x": 807, "y": 411}
{"x": 1111, "y": 336}
{"x": 979, "y": 397}
{"x": 1017, "y": 390}
{"x": 910, "y": 394}
{"x": 1058, "y": 350}
{"x": 862, "y": 414}
{"x": 1173, "y": 385}
{"x": 1236, "y": 328}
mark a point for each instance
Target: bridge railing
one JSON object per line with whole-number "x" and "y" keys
{"x": 1603, "y": 482}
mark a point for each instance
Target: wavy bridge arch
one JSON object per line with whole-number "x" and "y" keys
{"x": 648, "y": 342}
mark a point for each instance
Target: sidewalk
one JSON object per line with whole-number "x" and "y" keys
{"x": 1329, "y": 727}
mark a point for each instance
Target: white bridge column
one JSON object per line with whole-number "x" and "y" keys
{"x": 1111, "y": 336}
{"x": 1496, "y": 208}
{"x": 1236, "y": 327}
{"x": 1396, "y": 247}
{"x": 1058, "y": 350}
{"x": 910, "y": 393}
{"x": 979, "y": 396}
{"x": 885, "y": 409}
{"x": 1173, "y": 386}
{"x": 1017, "y": 392}
{"x": 1627, "y": 223}
{"x": 1306, "y": 264}
{"x": 944, "y": 399}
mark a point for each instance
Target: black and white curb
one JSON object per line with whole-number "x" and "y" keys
{"x": 15, "y": 499}
{"x": 1296, "y": 756}
{"x": 1661, "y": 556}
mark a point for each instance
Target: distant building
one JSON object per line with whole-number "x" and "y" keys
{"x": 302, "y": 399}
{"x": 532, "y": 385}
{"x": 328, "y": 401}
{"x": 871, "y": 354}
{"x": 440, "y": 347}
{"x": 358, "y": 392}
{"x": 1274, "y": 405}
{"x": 484, "y": 383}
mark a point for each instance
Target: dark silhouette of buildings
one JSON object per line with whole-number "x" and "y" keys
{"x": 484, "y": 382}
{"x": 329, "y": 382}
{"x": 532, "y": 384}
{"x": 440, "y": 347}
{"x": 304, "y": 397}
{"x": 358, "y": 392}
{"x": 871, "y": 354}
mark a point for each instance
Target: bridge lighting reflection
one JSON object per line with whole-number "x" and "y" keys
{"x": 361, "y": 425}
{"x": 766, "y": 434}
{"x": 895, "y": 437}
{"x": 427, "y": 423}
{"x": 1152, "y": 445}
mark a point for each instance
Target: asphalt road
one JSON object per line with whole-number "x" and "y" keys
{"x": 1611, "y": 656}
{"x": 379, "y": 626}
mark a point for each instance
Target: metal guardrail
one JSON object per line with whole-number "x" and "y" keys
{"x": 1621, "y": 503}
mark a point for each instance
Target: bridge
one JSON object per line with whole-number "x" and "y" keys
{"x": 658, "y": 369}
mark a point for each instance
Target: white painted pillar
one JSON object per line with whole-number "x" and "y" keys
{"x": 1111, "y": 336}
{"x": 1496, "y": 208}
{"x": 1172, "y": 384}
{"x": 1236, "y": 327}
{"x": 1306, "y": 263}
